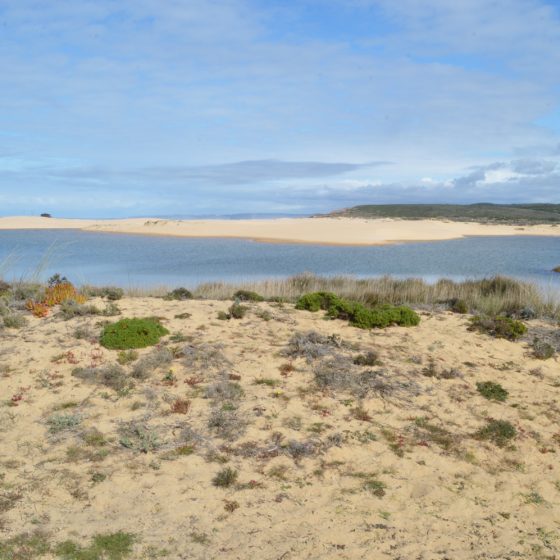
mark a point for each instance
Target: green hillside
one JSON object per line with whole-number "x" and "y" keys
{"x": 481, "y": 212}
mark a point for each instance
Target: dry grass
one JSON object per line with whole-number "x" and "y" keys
{"x": 490, "y": 296}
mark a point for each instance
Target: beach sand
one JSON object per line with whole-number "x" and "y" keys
{"x": 332, "y": 231}
{"x": 322, "y": 474}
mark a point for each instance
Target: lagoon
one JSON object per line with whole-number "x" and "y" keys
{"x": 133, "y": 261}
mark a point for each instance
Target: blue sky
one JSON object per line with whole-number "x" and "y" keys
{"x": 154, "y": 107}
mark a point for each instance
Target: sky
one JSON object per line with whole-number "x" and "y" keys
{"x": 115, "y": 108}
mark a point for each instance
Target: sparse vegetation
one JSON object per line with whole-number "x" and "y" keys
{"x": 296, "y": 414}
{"x": 111, "y": 546}
{"x": 132, "y": 333}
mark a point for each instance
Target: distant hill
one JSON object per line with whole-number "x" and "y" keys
{"x": 481, "y": 212}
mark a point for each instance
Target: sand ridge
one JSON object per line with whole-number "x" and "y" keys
{"x": 321, "y": 474}
{"x": 330, "y": 231}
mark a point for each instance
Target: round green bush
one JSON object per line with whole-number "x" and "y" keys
{"x": 132, "y": 333}
{"x": 247, "y": 295}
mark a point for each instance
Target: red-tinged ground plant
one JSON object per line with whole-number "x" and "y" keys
{"x": 55, "y": 294}
{"x": 37, "y": 308}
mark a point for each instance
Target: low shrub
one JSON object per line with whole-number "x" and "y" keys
{"x": 126, "y": 357}
{"x": 542, "y": 350}
{"x": 492, "y": 391}
{"x": 128, "y": 334}
{"x": 111, "y": 293}
{"x": 498, "y": 327}
{"x": 111, "y": 375}
{"x": 237, "y": 311}
{"x": 227, "y": 421}
{"x": 158, "y": 358}
{"x": 311, "y": 345}
{"x": 357, "y": 314}
{"x": 179, "y": 294}
{"x": 247, "y": 295}
{"x": 370, "y": 359}
{"x": 62, "y": 422}
{"x": 225, "y": 478}
{"x": 138, "y": 437}
{"x": 458, "y": 306}
{"x": 70, "y": 309}
{"x": 14, "y": 321}
{"x": 499, "y": 432}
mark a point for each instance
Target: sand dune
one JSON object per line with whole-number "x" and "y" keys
{"x": 322, "y": 473}
{"x": 343, "y": 231}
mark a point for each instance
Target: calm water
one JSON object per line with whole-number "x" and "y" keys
{"x": 143, "y": 261}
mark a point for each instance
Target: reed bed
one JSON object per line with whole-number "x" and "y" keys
{"x": 489, "y": 296}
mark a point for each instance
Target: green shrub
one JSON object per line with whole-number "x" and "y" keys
{"x": 317, "y": 300}
{"x": 492, "y": 391}
{"x": 499, "y": 327}
{"x": 247, "y": 295}
{"x": 499, "y": 432}
{"x": 225, "y": 478}
{"x": 459, "y": 306}
{"x": 132, "y": 333}
{"x": 179, "y": 294}
{"x": 237, "y": 311}
{"x": 356, "y": 313}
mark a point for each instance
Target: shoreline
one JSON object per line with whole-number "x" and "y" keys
{"x": 315, "y": 231}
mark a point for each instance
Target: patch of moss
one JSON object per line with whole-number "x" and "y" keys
{"x": 132, "y": 333}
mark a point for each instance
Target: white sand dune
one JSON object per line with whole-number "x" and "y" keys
{"x": 332, "y": 231}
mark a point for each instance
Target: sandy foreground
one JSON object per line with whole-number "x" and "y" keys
{"x": 335, "y": 231}
{"x": 396, "y": 473}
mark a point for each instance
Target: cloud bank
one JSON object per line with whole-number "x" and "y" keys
{"x": 143, "y": 107}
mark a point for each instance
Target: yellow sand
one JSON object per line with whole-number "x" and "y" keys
{"x": 343, "y": 231}
{"x": 464, "y": 499}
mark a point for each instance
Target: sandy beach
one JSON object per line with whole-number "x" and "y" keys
{"x": 332, "y": 231}
{"x": 399, "y": 472}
